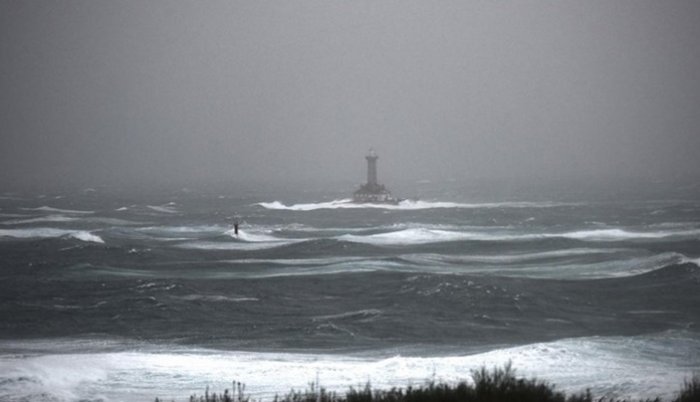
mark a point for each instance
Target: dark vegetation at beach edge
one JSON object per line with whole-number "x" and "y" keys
{"x": 497, "y": 385}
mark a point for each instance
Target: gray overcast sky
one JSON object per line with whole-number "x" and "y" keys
{"x": 96, "y": 91}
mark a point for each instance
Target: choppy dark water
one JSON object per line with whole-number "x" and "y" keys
{"x": 119, "y": 297}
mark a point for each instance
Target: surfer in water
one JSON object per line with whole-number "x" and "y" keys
{"x": 236, "y": 222}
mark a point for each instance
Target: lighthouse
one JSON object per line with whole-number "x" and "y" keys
{"x": 372, "y": 168}
{"x": 372, "y": 192}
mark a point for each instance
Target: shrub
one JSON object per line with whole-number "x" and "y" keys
{"x": 690, "y": 391}
{"x": 497, "y": 385}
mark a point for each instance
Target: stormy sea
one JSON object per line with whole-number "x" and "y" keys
{"x": 116, "y": 295}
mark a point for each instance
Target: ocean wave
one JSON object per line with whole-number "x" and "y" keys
{"x": 40, "y": 219}
{"x": 360, "y": 315}
{"x": 641, "y": 366}
{"x": 216, "y": 298}
{"x": 211, "y": 245}
{"x": 614, "y": 268}
{"x": 407, "y": 205}
{"x": 242, "y": 241}
{"x": 43, "y": 233}
{"x": 63, "y": 219}
{"x": 177, "y": 231}
{"x": 87, "y": 236}
{"x": 615, "y": 234}
{"x": 215, "y": 270}
{"x": 425, "y": 236}
{"x": 688, "y": 260}
{"x": 167, "y": 208}
{"x": 298, "y": 261}
{"x": 109, "y": 221}
{"x": 413, "y": 236}
{"x": 252, "y": 237}
{"x": 46, "y": 208}
{"x": 7, "y": 215}
{"x": 512, "y": 258}
{"x": 623, "y": 267}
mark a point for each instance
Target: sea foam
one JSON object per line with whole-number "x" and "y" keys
{"x": 622, "y": 367}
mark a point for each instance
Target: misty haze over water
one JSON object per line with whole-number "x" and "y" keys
{"x": 544, "y": 157}
{"x": 127, "y": 92}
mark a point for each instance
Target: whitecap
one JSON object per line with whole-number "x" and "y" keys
{"x": 623, "y": 263}
{"x": 512, "y": 258}
{"x": 253, "y": 237}
{"x": 217, "y": 298}
{"x": 614, "y": 234}
{"x": 46, "y": 218}
{"x": 211, "y": 245}
{"x": 687, "y": 260}
{"x": 167, "y": 208}
{"x": 87, "y": 236}
{"x": 617, "y": 367}
{"x": 415, "y": 236}
{"x": 41, "y": 233}
{"x": 362, "y": 315}
{"x": 412, "y": 236}
{"x": 611, "y": 234}
{"x": 46, "y": 208}
{"x": 169, "y": 231}
{"x": 407, "y": 205}
{"x": 297, "y": 261}
{"x": 613, "y": 268}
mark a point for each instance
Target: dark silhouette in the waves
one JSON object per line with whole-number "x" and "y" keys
{"x": 372, "y": 191}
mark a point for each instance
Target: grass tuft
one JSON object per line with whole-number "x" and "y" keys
{"x": 495, "y": 385}
{"x": 690, "y": 391}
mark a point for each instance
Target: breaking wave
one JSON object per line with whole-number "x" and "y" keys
{"x": 695, "y": 261}
{"x": 87, "y": 236}
{"x": 641, "y": 366}
{"x": 242, "y": 241}
{"x": 43, "y": 233}
{"x": 252, "y": 237}
{"x": 425, "y": 236}
{"x": 407, "y": 205}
